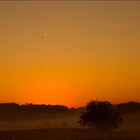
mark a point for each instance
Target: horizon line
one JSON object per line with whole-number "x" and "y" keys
{"x": 62, "y": 104}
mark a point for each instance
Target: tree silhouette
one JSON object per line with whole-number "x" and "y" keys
{"x": 102, "y": 116}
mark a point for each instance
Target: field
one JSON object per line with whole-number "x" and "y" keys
{"x": 66, "y": 134}
{"x": 62, "y": 126}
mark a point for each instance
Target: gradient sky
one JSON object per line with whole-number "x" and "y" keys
{"x": 69, "y": 52}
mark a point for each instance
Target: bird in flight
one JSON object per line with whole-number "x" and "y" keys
{"x": 42, "y": 36}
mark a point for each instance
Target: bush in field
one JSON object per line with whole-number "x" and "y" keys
{"x": 102, "y": 116}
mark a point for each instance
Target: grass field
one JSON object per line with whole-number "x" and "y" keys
{"x": 65, "y": 128}
{"x": 66, "y": 134}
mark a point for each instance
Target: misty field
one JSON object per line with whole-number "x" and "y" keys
{"x": 66, "y": 134}
{"x": 59, "y": 123}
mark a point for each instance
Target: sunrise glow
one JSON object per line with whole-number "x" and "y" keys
{"x": 69, "y": 52}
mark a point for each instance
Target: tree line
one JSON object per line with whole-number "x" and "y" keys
{"x": 14, "y": 110}
{"x": 129, "y": 107}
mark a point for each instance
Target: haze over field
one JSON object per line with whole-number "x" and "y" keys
{"x": 18, "y": 117}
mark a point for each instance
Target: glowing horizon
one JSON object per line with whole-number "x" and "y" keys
{"x": 69, "y": 52}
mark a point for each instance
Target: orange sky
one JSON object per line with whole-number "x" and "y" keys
{"x": 69, "y": 52}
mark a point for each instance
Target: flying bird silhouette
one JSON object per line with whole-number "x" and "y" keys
{"x": 42, "y": 36}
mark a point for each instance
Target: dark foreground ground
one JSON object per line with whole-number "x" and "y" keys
{"x": 66, "y": 134}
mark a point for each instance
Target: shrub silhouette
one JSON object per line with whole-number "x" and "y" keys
{"x": 103, "y": 116}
